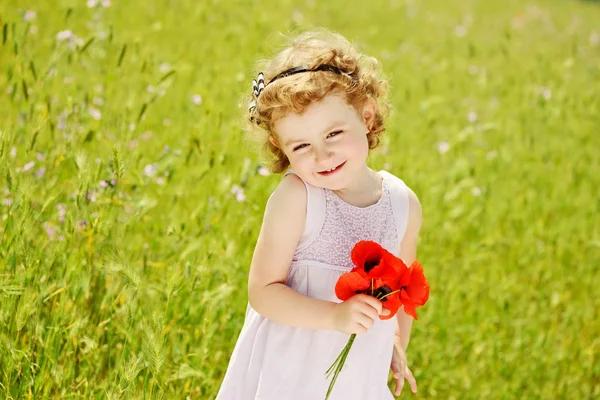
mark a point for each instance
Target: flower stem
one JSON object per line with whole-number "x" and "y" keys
{"x": 338, "y": 364}
{"x": 395, "y": 291}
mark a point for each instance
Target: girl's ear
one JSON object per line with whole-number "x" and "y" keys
{"x": 369, "y": 112}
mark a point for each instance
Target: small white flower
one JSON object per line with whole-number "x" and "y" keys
{"x": 92, "y": 3}
{"x": 160, "y": 180}
{"x": 40, "y": 156}
{"x": 64, "y": 35}
{"x": 151, "y": 169}
{"x": 147, "y": 135}
{"x": 164, "y": 68}
{"x": 13, "y": 152}
{"x": 297, "y": 16}
{"x": 95, "y": 113}
{"x": 460, "y": 31}
{"x": 240, "y": 196}
{"x": 97, "y": 160}
{"x": 196, "y": 99}
{"x": 546, "y": 93}
{"x": 472, "y": 117}
{"x": 263, "y": 171}
{"x": 476, "y": 191}
{"x": 594, "y": 39}
{"x": 443, "y": 147}
{"x": 103, "y": 183}
{"x": 28, "y": 166}
{"x": 239, "y": 193}
{"x": 40, "y": 172}
{"x": 492, "y": 154}
{"x": 98, "y": 101}
{"x": 49, "y": 231}
{"x": 29, "y": 16}
{"x": 105, "y": 3}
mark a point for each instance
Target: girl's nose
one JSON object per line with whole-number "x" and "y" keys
{"x": 322, "y": 155}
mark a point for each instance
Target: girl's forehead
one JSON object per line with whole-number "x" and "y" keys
{"x": 317, "y": 118}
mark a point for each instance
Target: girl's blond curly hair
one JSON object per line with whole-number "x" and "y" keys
{"x": 361, "y": 79}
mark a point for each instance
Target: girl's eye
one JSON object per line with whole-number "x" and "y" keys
{"x": 334, "y": 133}
{"x": 300, "y": 146}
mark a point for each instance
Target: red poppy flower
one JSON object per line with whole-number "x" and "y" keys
{"x": 414, "y": 289}
{"x": 374, "y": 260}
{"x": 377, "y": 273}
{"x": 384, "y": 276}
{"x": 392, "y": 303}
{"x": 351, "y": 283}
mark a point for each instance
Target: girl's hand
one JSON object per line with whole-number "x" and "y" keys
{"x": 357, "y": 314}
{"x": 401, "y": 371}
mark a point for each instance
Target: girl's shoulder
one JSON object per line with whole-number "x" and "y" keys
{"x": 399, "y": 186}
{"x": 312, "y": 207}
{"x": 289, "y": 195}
{"x": 405, "y": 203}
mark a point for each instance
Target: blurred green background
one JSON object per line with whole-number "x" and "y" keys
{"x": 130, "y": 200}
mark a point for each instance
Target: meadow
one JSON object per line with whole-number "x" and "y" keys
{"x": 130, "y": 198}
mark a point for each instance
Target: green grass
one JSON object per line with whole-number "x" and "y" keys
{"x": 138, "y": 290}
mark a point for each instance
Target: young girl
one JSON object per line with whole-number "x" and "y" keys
{"x": 320, "y": 108}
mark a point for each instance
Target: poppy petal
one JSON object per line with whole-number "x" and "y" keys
{"x": 418, "y": 288}
{"x": 409, "y": 306}
{"x": 366, "y": 252}
{"x": 386, "y": 264}
{"x": 392, "y": 303}
{"x": 409, "y": 309}
{"x": 349, "y": 283}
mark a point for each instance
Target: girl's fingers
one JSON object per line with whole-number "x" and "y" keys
{"x": 366, "y": 321}
{"x": 399, "y": 386}
{"x": 371, "y": 312}
{"x": 411, "y": 379}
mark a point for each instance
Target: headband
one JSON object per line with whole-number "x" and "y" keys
{"x": 258, "y": 84}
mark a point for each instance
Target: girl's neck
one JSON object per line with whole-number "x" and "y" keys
{"x": 365, "y": 190}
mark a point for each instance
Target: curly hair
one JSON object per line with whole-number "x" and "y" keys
{"x": 361, "y": 79}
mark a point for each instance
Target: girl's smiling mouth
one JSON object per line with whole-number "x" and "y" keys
{"x": 333, "y": 170}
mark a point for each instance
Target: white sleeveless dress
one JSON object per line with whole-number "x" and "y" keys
{"x": 272, "y": 361}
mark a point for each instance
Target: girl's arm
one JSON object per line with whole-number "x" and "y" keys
{"x": 408, "y": 253}
{"x": 282, "y": 228}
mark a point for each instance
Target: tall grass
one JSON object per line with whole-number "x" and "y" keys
{"x": 130, "y": 201}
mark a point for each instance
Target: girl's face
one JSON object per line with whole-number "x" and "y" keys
{"x": 330, "y": 134}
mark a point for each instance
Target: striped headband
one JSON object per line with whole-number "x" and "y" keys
{"x": 258, "y": 84}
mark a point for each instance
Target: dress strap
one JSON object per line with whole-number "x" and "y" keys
{"x": 315, "y": 213}
{"x": 400, "y": 204}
